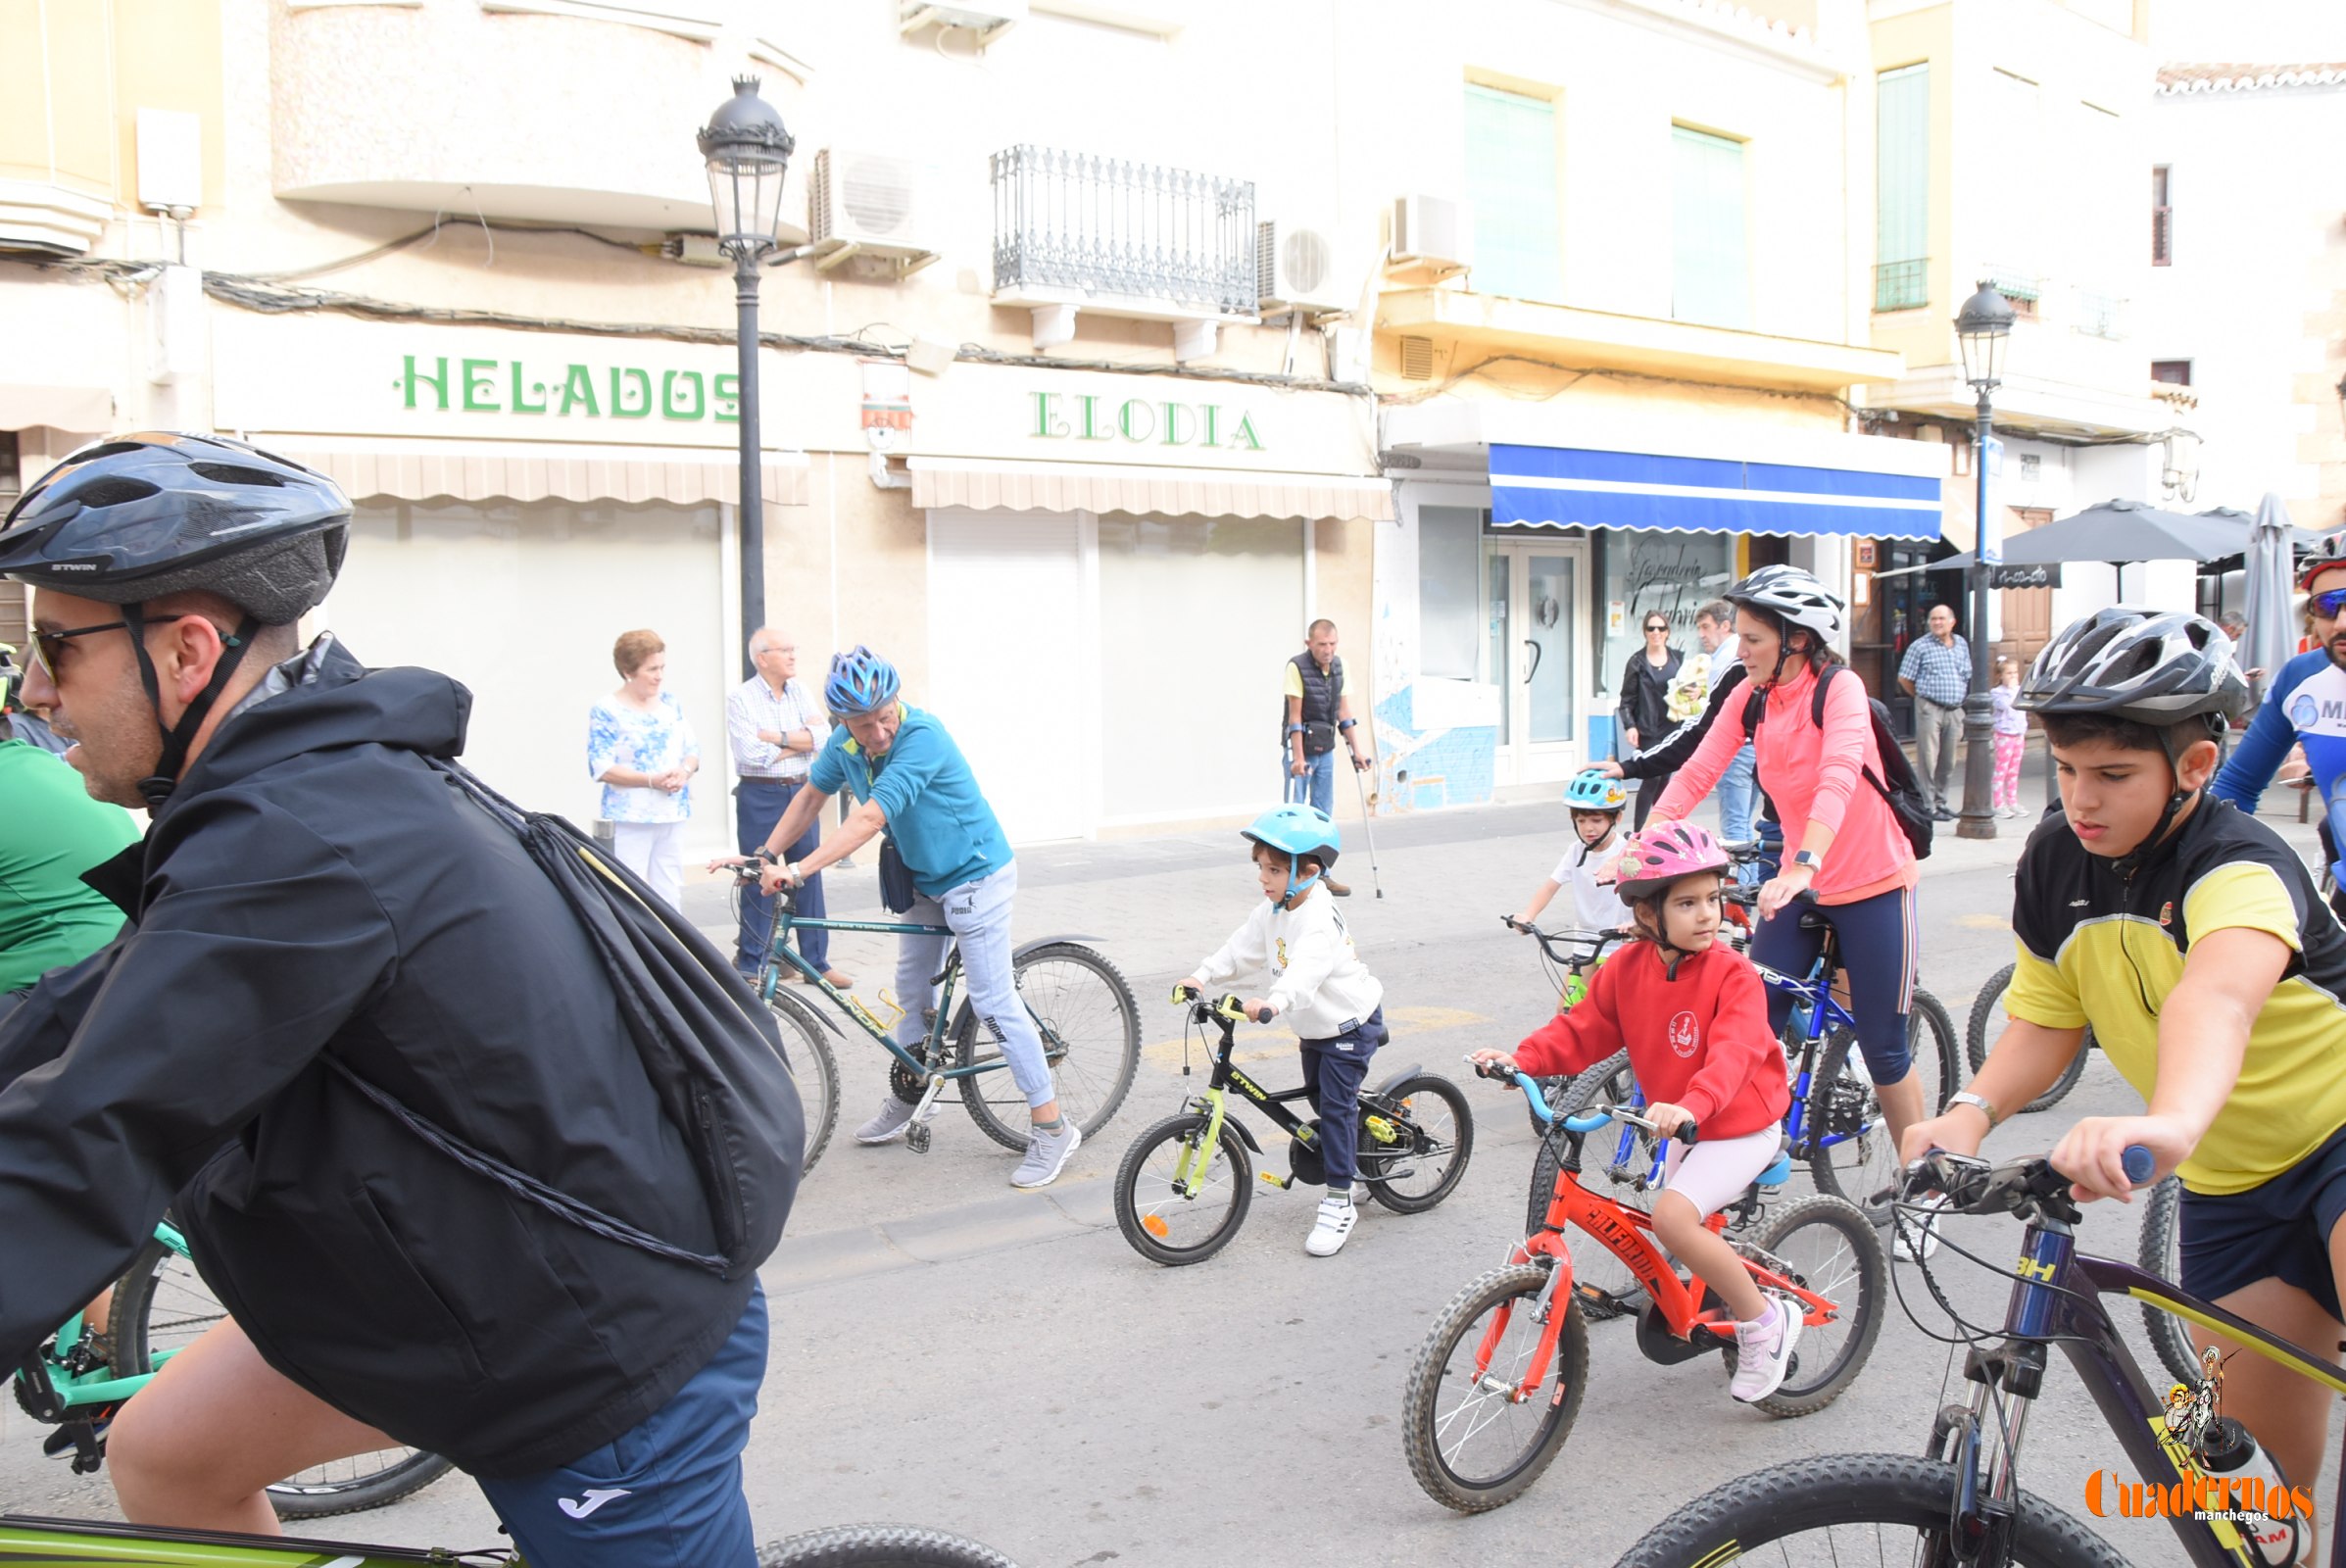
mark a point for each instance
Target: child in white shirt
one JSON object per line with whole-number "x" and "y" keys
{"x": 1318, "y": 983}
{"x": 1596, "y": 803}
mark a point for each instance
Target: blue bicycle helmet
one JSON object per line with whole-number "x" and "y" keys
{"x": 861, "y": 682}
{"x": 1591, "y": 791}
{"x": 1295, "y": 831}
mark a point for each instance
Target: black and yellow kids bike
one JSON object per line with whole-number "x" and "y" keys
{"x": 1183, "y": 1188}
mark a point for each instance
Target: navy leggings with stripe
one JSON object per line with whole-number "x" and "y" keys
{"x": 1877, "y": 939}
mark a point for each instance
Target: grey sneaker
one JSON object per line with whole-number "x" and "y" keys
{"x": 1046, "y": 1155}
{"x": 894, "y": 1117}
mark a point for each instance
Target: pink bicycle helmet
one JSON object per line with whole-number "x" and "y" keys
{"x": 1652, "y": 860}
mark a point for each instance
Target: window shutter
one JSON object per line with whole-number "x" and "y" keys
{"x": 1902, "y": 189}
{"x": 1711, "y": 274}
{"x": 1511, "y": 179}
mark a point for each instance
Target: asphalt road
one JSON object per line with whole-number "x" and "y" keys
{"x": 951, "y": 1352}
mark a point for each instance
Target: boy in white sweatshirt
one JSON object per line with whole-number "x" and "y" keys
{"x": 1318, "y": 983}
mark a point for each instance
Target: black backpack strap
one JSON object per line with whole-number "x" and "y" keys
{"x": 1815, "y": 699}
{"x": 1755, "y": 707}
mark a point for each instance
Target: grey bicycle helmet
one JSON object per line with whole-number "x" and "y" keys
{"x": 142, "y": 517}
{"x": 1794, "y": 597}
{"x": 2155, "y": 666}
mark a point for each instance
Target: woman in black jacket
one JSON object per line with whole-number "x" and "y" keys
{"x": 1643, "y": 714}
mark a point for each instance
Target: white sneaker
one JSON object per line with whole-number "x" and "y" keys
{"x": 1915, "y": 1236}
{"x": 1763, "y": 1352}
{"x": 894, "y": 1117}
{"x": 1334, "y": 1224}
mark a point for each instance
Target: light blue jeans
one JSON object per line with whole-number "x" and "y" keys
{"x": 1739, "y": 794}
{"x": 979, "y": 914}
{"x": 1317, "y": 786}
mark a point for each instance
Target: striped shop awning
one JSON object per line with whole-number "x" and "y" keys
{"x": 1571, "y": 486}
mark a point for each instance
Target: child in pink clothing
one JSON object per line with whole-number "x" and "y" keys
{"x": 2012, "y": 736}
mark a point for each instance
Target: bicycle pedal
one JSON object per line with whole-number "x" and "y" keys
{"x": 917, "y": 1137}
{"x": 1283, "y": 1183}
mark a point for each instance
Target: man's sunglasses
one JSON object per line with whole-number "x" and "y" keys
{"x": 47, "y": 646}
{"x": 2329, "y": 602}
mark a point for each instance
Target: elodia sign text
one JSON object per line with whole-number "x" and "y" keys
{"x": 1086, "y": 416}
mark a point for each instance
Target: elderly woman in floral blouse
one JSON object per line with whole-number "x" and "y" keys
{"x": 641, "y": 749}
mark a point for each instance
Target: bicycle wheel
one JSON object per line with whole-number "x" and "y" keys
{"x": 162, "y": 1304}
{"x": 2162, "y": 1253}
{"x": 1164, "y": 1223}
{"x": 1986, "y": 1026}
{"x": 1863, "y": 1168}
{"x": 1603, "y": 1281}
{"x": 813, "y": 1070}
{"x": 1091, "y": 1030}
{"x": 1828, "y": 1247}
{"x": 879, "y": 1546}
{"x": 1420, "y": 1162}
{"x": 1931, "y": 1045}
{"x": 1471, "y": 1444}
{"x": 1846, "y": 1510}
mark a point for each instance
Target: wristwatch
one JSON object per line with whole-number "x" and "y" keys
{"x": 1963, "y": 1097}
{"x": 1809, "y": 859}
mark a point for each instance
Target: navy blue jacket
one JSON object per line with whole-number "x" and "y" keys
{"x": 314, "y": 888}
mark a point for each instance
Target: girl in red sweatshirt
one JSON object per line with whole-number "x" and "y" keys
{"x": 1693, "y": 1016}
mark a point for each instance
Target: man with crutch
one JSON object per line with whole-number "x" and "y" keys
{"x": 1319, "y": 712}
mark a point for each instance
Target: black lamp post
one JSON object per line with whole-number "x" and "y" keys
{"x": 747, "y": 152}
{"x": 1982, "y": 328}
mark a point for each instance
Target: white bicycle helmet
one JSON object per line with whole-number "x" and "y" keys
{"x": 1794, "y": 597}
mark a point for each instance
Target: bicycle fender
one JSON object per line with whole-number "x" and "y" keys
{"x": 1024, "y": 948}
{"x": 805, "y": 1013}
{"x": 1245, "y": 1135}
{"x": 1396, "y": 1081}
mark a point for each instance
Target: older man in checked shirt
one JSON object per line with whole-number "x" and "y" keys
{"x": 774, "y": 725}
{"x": 1936, "y": 673}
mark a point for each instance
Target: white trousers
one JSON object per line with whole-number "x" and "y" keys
{"x": 654, "y": 852}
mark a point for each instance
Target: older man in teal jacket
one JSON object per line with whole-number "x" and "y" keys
{"x": 911, "y": 779}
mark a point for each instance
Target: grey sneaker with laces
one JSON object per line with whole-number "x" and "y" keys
{"x": 1046, "y": 1155}
{"x": 894, "y": 1117}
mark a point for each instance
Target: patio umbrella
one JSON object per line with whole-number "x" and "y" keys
{"x": 2121, "y": 532}
{"x": 2271, "y": 593}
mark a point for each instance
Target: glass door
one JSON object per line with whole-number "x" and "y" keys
{"x": 1536, "y": 593}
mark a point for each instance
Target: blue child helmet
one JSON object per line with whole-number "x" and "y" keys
{"x": 861, "y": 682}
{"x": 1591, "y": 791}
{"x": 1295, "y": 831}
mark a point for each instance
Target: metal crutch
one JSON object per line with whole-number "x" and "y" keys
{"x": 1368, "y": 824}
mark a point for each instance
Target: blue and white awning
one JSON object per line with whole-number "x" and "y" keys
{"x": 1573, "y": 486}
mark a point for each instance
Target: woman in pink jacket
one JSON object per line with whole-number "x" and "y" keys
{"x": 1848, "y": 853}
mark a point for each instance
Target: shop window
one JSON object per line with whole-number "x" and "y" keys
{"x": 1710, "y": 248}
{"x": 1511, "y": 179}
{"x": 2174, "y": 373}
{"x": 1902, "y": 189}
{"x": 1450, "y": 618}
{"x": 1644, "y": 571}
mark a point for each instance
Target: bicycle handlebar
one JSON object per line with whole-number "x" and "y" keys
{"x": 1229, "y": 1008}
{"x": 1972, "y": 1186}
{"x": 1687, "y": 1133}
{"x": 1595, "y": 943}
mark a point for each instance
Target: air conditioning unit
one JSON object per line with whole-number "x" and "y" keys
{"x": 864, "y": 207}
{"x": 1295, "y": 269}
{"x": 1432, "y": 231}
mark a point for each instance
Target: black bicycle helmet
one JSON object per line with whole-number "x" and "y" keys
{"x": 142, "y": 517}
{"x": 2155, "y": 666}
{"x": 2169, "y": 670}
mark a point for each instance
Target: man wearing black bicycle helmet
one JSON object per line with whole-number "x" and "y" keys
{"x": 2304, "y": 707}
{"x": 2192, "y": 939}
{"x": 351, "y": 1026}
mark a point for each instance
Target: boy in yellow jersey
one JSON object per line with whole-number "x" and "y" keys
{"x": 2194, "y": 942}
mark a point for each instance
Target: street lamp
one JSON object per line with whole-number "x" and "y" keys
{"x": 748, "y": 151}
{"x": 1984, "y": 328}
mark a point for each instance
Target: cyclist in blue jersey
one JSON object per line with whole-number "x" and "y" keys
{"x": 2306, "y": 707}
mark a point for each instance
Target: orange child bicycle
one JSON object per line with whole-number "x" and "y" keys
{"x": 1498, "y": 1380}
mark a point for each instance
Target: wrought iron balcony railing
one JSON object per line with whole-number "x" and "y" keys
{"x": 2100, "y": 315}
{"x": 1112, "y": 229}
{"x": 1902, "y": 285}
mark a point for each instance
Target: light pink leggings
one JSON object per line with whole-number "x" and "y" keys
{"x": 2008, "y": 761}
